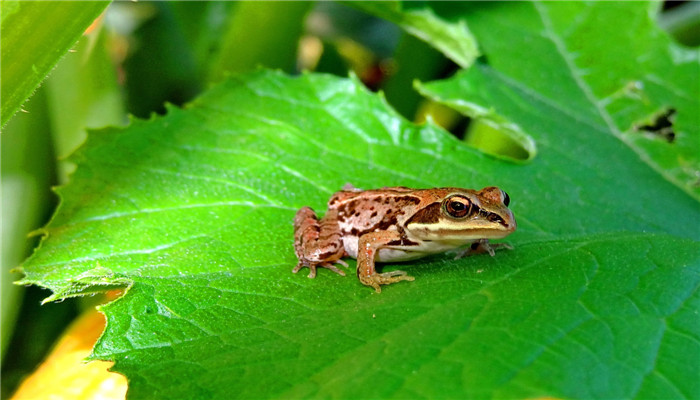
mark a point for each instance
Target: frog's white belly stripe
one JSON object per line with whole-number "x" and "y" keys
{"x": 388, "y": 255}
{"x": 422, "y": 249}
{"x": 350, "y": 244}
{"x": 404, "y": 253}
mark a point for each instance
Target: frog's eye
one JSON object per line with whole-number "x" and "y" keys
{"x": 506, "y": 198}
{"x": 458, "y": 206}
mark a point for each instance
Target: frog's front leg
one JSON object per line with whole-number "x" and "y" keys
{"x": 317, "y": 243}
{"x": 367, "y": 248}
{"x": 482, "y": 246}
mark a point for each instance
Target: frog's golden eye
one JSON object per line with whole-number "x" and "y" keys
{"x": 458, "y": 206}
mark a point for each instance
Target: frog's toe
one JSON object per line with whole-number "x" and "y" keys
{"x": 395, "y": 276}
{"x": 335, "y": 269}
{"x": 386, "y": 278}
{"x": 314, "y": 266}
{"x": 297, "y": 268}
{"x": 312, "y": 269}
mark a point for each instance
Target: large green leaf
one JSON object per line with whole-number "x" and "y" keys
{"x": 192, "y": 212}
{"x": 35, "y": 35}
{"x": 453, "y": 39}
{"x": 245, "y": 46}
{"x": 619, "y": 79}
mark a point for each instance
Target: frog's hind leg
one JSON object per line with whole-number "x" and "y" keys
{"x": 368, "y": 247}
{"x": 317, "y": 243}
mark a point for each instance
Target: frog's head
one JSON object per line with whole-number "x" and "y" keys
{"x": 462, "y": 215}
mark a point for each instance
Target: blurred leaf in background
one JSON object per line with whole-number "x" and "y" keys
{"x": 681, "y": 19}
{"x": 164, "y": 50}
{"x": 177, "y": 48}
{"x": 35, "y": 35}
{"x": 260, "y": 34}
{"x": 82, "y": 92}
{"x": 172, "y": 204}
{"x": 26, "y": 198}
{"x": 192, "y": 211}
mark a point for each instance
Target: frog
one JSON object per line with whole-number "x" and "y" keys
{"x": 395, "y": 224}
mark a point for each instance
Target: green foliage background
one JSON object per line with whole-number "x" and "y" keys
{"x": 191, "y": 211}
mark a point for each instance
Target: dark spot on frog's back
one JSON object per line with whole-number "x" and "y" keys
{"x": 386, "y": 222}
{"x": 392, "y": 214}
{"x": 410, "y": 200}
{"x": 401, "y": 201}
{"x": 428, "y": 215}
{"x": 347, "y": 208}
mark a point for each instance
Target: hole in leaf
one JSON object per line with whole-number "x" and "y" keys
{"x": 490, "y": 134}
{"x": 660, "y": 126}
{"x": 500, "y": 139}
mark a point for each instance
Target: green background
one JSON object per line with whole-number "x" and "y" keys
{"x": 191, "y": 211}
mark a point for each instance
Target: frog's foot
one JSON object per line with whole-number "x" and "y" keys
{"x": 385, "y": 278}
{"x": 482, "y": 246}
{"x": 312, "y": 267}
